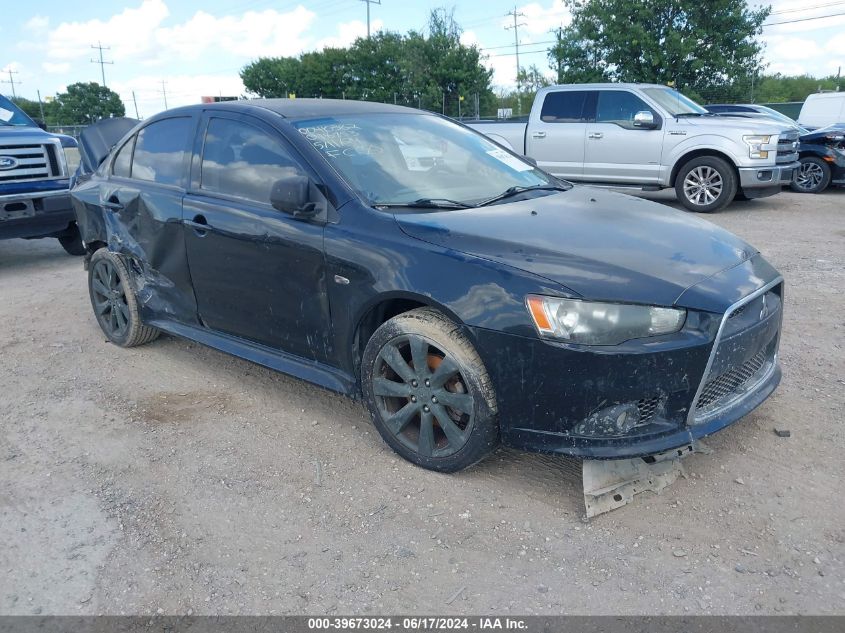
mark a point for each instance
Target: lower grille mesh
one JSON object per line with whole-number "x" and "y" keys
{"x": 729, "y": 383}
{"x": 647, "y": 408}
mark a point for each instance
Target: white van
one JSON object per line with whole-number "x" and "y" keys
{"x": 822, "y": 109}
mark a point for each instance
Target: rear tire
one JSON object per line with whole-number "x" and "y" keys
{"x": 706, "y": 184}
{"x": 72, "y": 241}
{"x": 429, "y": 394}
{"x": 813, "y": 176}
{"x": 114, "y": 302}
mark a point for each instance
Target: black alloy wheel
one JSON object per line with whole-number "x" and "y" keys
{"x": 428, "y": 391}
{"x": 108, "y": 297}
{"x": 114, "y": 301}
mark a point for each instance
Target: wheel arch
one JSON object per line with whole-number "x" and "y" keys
{"x": 383, "y": 308}
{"x": 698, "y": 153}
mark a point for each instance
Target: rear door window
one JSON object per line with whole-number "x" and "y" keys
{"x": 160, "y": 151}
{"x": 122, "y": 166}
{"x": 566, "y": 106}
{"x": 243, "y": 161}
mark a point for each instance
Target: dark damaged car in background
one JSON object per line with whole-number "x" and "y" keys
{"x": 393, "y": 254}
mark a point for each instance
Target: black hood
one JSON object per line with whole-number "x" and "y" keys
{"x": 830, "y": 134}
{"x": 598, "y": 244}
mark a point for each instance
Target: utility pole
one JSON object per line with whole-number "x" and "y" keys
{"x": 102, "y": 63}
{"x": 40, "y": 105}
{"x": 135, "y": 101}
{"x": 11, "y": 80}
{"x": 516, "y": 15}
{"x": 369, "y": 2}
{"x": 164, "y": 92}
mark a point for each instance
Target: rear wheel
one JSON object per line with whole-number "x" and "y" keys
{"x": 813, "y": 176}
{"x": 428, "y": 392}
{"x": 114, "y": 302}
{"x": 71, "y": 241}
{"x": 706, "y": 184}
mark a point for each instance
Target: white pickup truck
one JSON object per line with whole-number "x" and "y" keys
{"x": 651, "y": 137}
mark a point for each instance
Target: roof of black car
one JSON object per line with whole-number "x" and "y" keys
{"x": 313, "y": 108}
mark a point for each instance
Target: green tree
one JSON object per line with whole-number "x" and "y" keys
{"x": 85, "y": 103}
{"x": 575, "y": 59}
{"x": 700, "y": 46}
{"x": 431, "y": 70}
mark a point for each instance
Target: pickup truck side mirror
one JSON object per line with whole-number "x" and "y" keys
{"x": 644, "y": 119}
{"x": 292, "y": 194}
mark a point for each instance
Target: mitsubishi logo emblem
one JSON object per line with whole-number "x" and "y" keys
{"x": 764, "y": 310}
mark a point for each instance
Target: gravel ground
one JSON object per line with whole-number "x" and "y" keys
{"x": 171, "y": 478}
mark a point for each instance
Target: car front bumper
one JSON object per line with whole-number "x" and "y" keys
{"x": 563, "y": 399}
{"x": 35, "y": 214}
{"x": 768, "y": 179}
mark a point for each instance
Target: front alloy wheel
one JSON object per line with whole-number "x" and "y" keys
{"x": 706, "y": 184}
{"x": 428, "y": 392}
{"x": 812, "y": 176}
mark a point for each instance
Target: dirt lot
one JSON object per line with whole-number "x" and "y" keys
{"x": 172, "y": 478}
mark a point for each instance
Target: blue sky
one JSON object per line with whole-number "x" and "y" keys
{"x": 197, "y": 48}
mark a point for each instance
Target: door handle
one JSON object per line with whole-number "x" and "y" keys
{"x": 538, "y": 135}
{"x": 113, "y": 203}
{"x": 199, "y": 224}
{"x": 595, "y": 135}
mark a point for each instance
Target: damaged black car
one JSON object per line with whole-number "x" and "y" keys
{"x": 392, "y": 254}
{"x": 822, "y": 156}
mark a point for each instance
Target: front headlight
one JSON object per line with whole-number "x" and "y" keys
{"x": 594, "y": 323}
{"x": 755, "y": 143}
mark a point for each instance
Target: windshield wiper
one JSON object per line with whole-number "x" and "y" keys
{"x": 512, "y": 191}
{"x": 427, "y": 203}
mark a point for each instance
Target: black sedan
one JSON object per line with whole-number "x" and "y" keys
{"x": 822, "y": 156}
{"x": 393, "y": 254}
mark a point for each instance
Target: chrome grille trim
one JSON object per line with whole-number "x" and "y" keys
{"x": 691, "y": 417}
{"x": 34, "y": 161}
{"x": 787, "y": 147}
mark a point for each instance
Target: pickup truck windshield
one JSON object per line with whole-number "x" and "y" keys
{"x": 10, "y": 114}
{"x": 419, "y": 160}
{"x": 674, "y": 102}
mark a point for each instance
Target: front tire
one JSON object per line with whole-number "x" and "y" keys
{"x": 706, "y": 184}
{"x": 429, "y": 394}
{"x": 813, "y": 176}
{"x": 71, "y": 241}
{"x": 114, "y": 301}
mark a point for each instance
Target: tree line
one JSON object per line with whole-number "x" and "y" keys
{"x": 80, "y": 104}
{"x": 709, "y": 50}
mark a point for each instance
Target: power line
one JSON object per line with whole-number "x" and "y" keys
{"x": 11, "y": 80}
{"x": 102, "y": 63}
{"x": 818, "y": 17}
{"x": 815, "y": 6}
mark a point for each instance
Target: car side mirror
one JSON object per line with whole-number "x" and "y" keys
{"x": 644, "y": 119}
{"x": 292, "y": 194}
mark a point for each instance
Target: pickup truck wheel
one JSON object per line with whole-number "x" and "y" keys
{"x": 428, "y": 392}
{"x": 813, "y": 176}
{"x": 114, "y": 302}
{"x": 72, "y": 241}
{"x": 706, "y": 184}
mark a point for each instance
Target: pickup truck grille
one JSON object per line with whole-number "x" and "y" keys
{"x": 28, "y": 162}
{"x": 787, "y": 147}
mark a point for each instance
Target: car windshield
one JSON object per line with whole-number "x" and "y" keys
{"x": 422, "y": 159}
{"x": 10, "y": 114}
{"x": 674, "y": 102}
